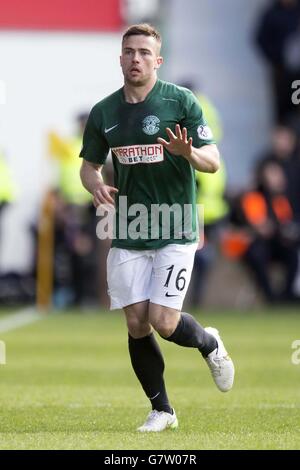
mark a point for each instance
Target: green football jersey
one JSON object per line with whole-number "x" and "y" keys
{"x": 156, "y": 200}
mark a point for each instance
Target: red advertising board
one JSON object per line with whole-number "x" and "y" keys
{"x": 76, "y": 15}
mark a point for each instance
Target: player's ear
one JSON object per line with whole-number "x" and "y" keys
{"x": 159, "y": 62}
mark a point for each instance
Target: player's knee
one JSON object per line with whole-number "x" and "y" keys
{"x": 164, "y": 324}
{"x": 138, "y": 328}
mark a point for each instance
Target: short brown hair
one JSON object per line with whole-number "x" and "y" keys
{"x": 143, "y": 29}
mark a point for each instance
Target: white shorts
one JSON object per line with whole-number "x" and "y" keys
{"x": 161, "y": 276}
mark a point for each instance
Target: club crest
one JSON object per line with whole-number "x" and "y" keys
{"x": 151, "y": 125}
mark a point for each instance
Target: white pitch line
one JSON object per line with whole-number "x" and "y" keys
{"x": 19, "y": 319}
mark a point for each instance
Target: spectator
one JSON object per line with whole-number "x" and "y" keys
{"x": 273, "y": 235}
{"x": 277, "y": 27}
{"x": 285, "y": 151}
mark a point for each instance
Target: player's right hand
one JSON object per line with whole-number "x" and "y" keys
{"x": 103, "y": 195}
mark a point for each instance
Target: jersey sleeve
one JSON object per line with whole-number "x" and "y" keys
{"x": 94, "y": 147}
{"x": 195, "y": 122}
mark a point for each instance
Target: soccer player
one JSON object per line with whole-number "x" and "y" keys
{"x": 158, "y": 136}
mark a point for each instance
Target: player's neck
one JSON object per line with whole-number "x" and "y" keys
{"x": 136, "y": 94}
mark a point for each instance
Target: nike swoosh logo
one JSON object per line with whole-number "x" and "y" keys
{"x": 110, "y": 129}
{"x": 171, "y": 295}
{"x": 152, "y": 398}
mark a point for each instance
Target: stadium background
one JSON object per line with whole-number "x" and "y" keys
{"x": 51, "y": 75}
{"x": 57, "y": 59}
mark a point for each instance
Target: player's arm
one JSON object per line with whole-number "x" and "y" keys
{"x": 92, "y": 180}
{"x": 205, "y": 158}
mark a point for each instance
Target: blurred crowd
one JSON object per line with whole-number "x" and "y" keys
{"x": 258, "y": 228}
{"x": 265, "y": 219}
{"x": 266, "y": 216}
{"x": 79, "y": 276}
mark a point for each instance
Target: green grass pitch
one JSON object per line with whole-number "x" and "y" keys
{"x": 68, "y": 384}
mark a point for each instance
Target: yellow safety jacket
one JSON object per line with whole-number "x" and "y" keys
{"x": 66, "y": 151}
{"x": 211, "y": 187}
{"x": 7, "y": 187}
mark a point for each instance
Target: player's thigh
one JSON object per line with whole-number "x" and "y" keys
{"x": 171, "y": 275}
{"x": 128, "y": 276}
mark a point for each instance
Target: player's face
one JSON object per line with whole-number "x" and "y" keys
{"x": 140, "y": 59}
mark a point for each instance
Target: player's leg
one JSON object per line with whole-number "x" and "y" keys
{"x": 181, "y": 328}
{"x": 148, "y": 364}
{"x": 129, "y": 276}
{"x": 171, "y": 276}
{"x": 146, "y": 358}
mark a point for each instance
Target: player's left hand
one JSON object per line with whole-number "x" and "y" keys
{"x": 179, "y": 143}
